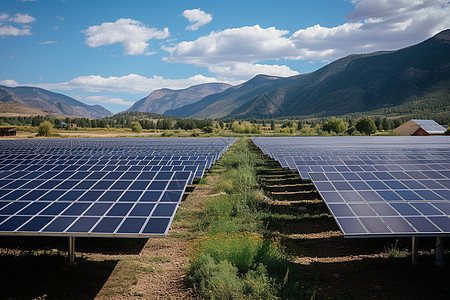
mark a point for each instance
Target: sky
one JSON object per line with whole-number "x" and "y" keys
{"x": 114, "y": 53}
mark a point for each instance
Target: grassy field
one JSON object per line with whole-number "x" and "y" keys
{"x": 248, "y": 230}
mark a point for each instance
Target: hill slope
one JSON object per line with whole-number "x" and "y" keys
{"x": 51, "y": 102}
{"x": 164, "y": 99}
{"x": 222, "y": 104}
{"x": 356, "y": 83}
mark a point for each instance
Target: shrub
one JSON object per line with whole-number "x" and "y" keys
{"x": 136, "y": 127}
{"x": 45, "y": 129}
{"x": 208, "y": 129}
{"x": 366, "y": 125}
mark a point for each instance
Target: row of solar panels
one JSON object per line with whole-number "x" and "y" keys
{"x": 375, "y": 191}
{"x": 70, "y": 193}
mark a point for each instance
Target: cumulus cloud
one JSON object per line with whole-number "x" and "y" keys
{"x": 13, "y": 30}
{"x": 48, "y": 42}
{"x": 22, "y": 18}
{"x": 373, "y": 26}
{"x": 132, "y": 83}
{"x": 234, "y": 45}
{"x": 9, "y": 82}
{"x": 239, "y": 72}
{"x": 108, "y": 100}
{"x": 8, "y": 30}
{"x": 131, "y": 34}
{"x": 197, "y": 18}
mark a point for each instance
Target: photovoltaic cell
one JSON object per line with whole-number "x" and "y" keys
{"x": 374, "y": 186}
{"x": 99, "y": 187}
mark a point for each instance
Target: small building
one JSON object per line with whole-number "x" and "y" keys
{"x": 8, "y": 131}
{"x": 420, "y": 128}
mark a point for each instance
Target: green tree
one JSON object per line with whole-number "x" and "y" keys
{"x": 208, "y": 129}
{"x": 366, "y": 125}
{"x": 136, "y": 127}
{"x": 272, "y": 125}
{"x": 335, "y": 124}
{"x": 45, "y": 129}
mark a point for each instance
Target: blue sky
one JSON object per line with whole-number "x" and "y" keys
{"x": 113, "y": 53}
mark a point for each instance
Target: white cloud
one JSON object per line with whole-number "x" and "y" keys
{"x": 48, "y": 42}
{"x": 59, "y": 18}
{"x": 132, "y": 83}
{"x": 22, "y": 18}
{"x": 108, "y": 100}
{"x": 374, "y": 26}
{"x": 9, "y": 82}
{"x": 4, "y": 17}
{"x": 8, "y": 30}
{"x": 131, "y": 34}
{"x": 245, "y": 44}
{"x": 197, "y": 18}
{"x": 239, "y": 72}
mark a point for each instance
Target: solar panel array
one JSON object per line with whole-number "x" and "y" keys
{"x": 99, "y": 187}
{"x": 375, "y": 186}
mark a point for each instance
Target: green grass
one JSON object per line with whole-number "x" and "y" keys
{"x": 233, "y": 257}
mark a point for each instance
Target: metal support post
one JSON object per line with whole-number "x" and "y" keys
{"x": 71, "y": 250}
{"x": 439, "y": 261}
{"x": 415, "y": 243}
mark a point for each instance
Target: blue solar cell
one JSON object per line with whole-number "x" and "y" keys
{"x": 428, "y": 195}
{"x": 422, "y": 224}
{"x": 131, "y": 225}
{"x": 334, "y": 176}
{"x": 76, "y": 209}
{"x": 366, "y": 176}
{"x": 351, "y": 226}
{"x": 33, "y": 184}
{"x": 158, "y": 185}
{"x": 171, "y": 196}
{"x": 331, "y": 197}
{"x": 130, "y": 196}
{"x": 408, "y": 195}
{"x": 129, "y": 176}
{"x": 151, "y": 196}
{"x": 110, "y": 196}
{"x": 140, "y": 185}
{"x": 98, "y": 209}
{"x": 107, "y": 225}
{"x": 71, "y": 196}
{"x": 340, "y": 210}
{"x": 157, "y": 226}
{"x": 362, "y": 210}
{"x": 383, "y": 209}
{"x": 374, "y": 225}
{"x": 359, "y": 185}
{"x": 398, "y": 225}
{"x": 164, "y": 210}
{"x": 444, "y": 183}
{"x": 13, "y": 223}
{"x": 33, "y": 195}
{"x": 324, "y": 186}
{"x": 176, "y": 185}
{"x": 121, "y": 185}
{"x": 318, "y": 177}
{"x": 383, "y": 175}
{"x": 411, "y": 184}
{"x": 351, "y": 196}
{"x": 13, "y": 208}
{"x": 142, "y": 210}
{"x": 443, "y": 222}
{"x": 433, "y": 174}
{"x": 36, "y": 224}
{"x": 163, "y": 175}
{"x": 426, "y": 209}
{"x": 395, "y": 185}
{"x": 120, "y": 209}
{"x": 371, "y": 196}
{"x": 389, "y": 196}
{"x": 55, "y": 209}
{"x": 400, "y": 175}
{"x": 83, "y": 224}
{"x": 405, "y": 209}
{"x": 103, "y": 185}
{"x": 113, "y": 175}
{"x": 33, "y": 208}
{"x": 350, "y": 176}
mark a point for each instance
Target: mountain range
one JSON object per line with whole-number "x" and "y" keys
{"x": 166, "y": 99}
{"x": 51, "y": 102}
{"x": 357, "y": 83}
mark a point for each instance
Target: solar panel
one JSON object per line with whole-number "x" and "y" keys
{"x": 98, "y": 187}
{"x": 375, "y": 186}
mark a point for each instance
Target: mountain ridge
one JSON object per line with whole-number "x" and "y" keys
{"x": 54, "y": 103}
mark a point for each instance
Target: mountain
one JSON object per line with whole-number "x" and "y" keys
{"x": 416, "y": 77}
{"x": 164, "y": 99}
{"x": 224, "y": 103}
{"x": 10, "y": 109}
{"x": 51, "y": 102}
